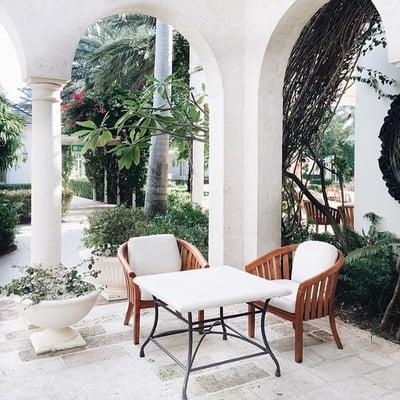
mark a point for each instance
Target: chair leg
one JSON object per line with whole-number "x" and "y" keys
{"x": 200, "y": 318}
{"x": 128, "y": 314}
{"x": 298, "y": 346}
{"x": 136, "y": 325}
{"x": 332, "y": 322}
{"x": 251, "y": 321}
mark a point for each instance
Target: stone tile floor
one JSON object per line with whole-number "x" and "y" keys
{"x": 109, "y": 366}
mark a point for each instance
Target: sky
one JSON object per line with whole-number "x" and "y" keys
{"x": 10, "y": 71}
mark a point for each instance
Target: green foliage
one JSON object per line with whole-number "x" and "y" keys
{"x": 338, "y": 143}
{"x": 81, "y": 187}
{"x": 186, "y": 222}
{"x": 11, "y": 128}
{"x": 9, "y": 220}
{"x": 118, "y": 52}
{"x": 367, "y": 281}
{"x": 22, "y": 199}
{"x": 183, "y": 116}
{"x": 109, "y": 228}
{"x": 67, "y": 164}
{"x": 39, "y": 283}
{"x": 14, "y": 186}
{"x": 105, "y": 108}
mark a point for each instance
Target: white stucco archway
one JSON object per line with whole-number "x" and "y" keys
{"x": 215, "y": 93}
{"x": 13, "y": 34}
{"x": 270, "y": 101}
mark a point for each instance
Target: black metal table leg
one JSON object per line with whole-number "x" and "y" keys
{"x": 264, "y": 336}
{"x": 189, "y": 359}
{"x": 209, "y": 325}
{"x": 153, "y": 329}
{"x": 221, "y": 315}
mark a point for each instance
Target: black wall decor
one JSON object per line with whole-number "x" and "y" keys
{"x": 389, "y": 161}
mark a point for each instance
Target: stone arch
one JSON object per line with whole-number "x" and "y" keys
{"x": 216, "y": 103}
{"x": 270, "y": 100}
{"x": 13, "y": 34}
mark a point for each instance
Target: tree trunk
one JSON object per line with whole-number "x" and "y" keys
{"x": 341, "y": 185}
{"x": 393, "y": 305}
{"x": 157, "y": 175}
{"x": 190, "y": 167}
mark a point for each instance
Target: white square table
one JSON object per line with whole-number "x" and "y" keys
{"x": 193, "y": 290}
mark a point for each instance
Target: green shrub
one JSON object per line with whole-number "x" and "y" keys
{"x": 8, "y": 223}
{"x": 14, "y": 186}
{"x": 109, "y": 228}
{"x": 186, "y": 222}
{"x": 367, "y": 283}
{"x": 22, "y": 197}
{"x": 81, "y": 187}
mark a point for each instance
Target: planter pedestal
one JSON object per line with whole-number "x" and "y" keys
{"x": 111, "y": 294}
{"x": 56, "y": 339}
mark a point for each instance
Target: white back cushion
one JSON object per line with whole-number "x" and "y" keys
{"x": 312, "y": 258}
{"x": 154, "y": 254}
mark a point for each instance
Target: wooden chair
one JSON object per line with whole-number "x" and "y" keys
{"x": 316, "y": 216}
{"x": 311, "y": 298}
{"x": 191, "y": 258}
{"x": 347, "y": 215}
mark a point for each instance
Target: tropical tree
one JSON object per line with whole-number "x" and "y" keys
{"x": 11, "y": 127}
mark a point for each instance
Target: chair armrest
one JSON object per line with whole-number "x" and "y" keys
{"x": 273, "y": 265}
{"x": 315, "y": 295}
{"x": 191, "y": 256}
{"x": 123, "y": 258}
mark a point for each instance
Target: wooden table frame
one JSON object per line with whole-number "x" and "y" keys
{"x": 207, "y": 327}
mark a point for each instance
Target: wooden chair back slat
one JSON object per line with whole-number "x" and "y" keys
{"x": 347, "y": 215}
{"x": 286, "y": 269}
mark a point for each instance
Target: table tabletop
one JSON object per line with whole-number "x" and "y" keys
{"x": 201, "y": 289}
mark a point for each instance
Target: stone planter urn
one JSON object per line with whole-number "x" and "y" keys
{"x": 55, "y": 318}
{"x": 111, "y": 277}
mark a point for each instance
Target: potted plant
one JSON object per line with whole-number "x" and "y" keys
{"x": 53, "y": 298}
{"x": 107, "y": 230}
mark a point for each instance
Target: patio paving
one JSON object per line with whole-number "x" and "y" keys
{"x": 109, "y": 367}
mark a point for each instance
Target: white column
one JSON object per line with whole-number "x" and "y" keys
{"x": 46, "y": 171}
{"x": 197, "y": 79}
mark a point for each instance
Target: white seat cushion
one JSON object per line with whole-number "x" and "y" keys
{"x": 155, "y": 254}
{"x": 286, "y": 303}
{"x": 312, "y": 258}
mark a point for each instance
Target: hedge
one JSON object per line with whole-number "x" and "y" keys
{"x": 8, "y": 226}
{"x": 81, "y": 187}
{"x": 22, "y": 197}
{"x": 14, "y": 186}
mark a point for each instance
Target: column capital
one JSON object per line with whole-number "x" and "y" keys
{"x": 46, "y": 89}
{"x": 33, "y": 80}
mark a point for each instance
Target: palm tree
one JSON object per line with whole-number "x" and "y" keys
{"x": 157, "y": 176}
{"x": 117, "y": 50}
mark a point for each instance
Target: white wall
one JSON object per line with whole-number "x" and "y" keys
{"x": 371, "y": 193}
{"x": 22, "y": 174}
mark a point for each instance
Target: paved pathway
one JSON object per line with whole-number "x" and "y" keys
{"x": 109, "y": 367}
{"x": 72, "y": 229}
